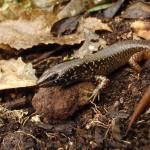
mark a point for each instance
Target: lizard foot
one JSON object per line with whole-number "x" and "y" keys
{"x": 103, "y": 82}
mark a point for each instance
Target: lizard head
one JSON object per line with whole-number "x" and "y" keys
{"x": 60, "y": 74}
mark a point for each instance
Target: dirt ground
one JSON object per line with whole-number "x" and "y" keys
{"x": 101, "y": 125}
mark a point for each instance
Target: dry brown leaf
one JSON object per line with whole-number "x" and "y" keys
{"x": 29, "y": 31}
{"x": 142, "y": 29}
{"x": 32, "y": 30}
{"x": 15, "y": 73}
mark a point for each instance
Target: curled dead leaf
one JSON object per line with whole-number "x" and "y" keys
{"x": 29, "y": 31}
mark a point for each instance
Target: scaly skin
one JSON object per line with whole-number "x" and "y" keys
{"x": 101, "y": 63}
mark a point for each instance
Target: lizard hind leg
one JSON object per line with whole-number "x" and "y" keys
{"x": 138, "y": 57}
{"x": 102, "y": 84}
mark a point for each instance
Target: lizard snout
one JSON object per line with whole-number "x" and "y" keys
{"x": 47, "y": 78}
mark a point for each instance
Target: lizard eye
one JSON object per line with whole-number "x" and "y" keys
{"x": 53, "y": 77}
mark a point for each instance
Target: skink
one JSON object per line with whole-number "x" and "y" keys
{"x": 101, "y": 63}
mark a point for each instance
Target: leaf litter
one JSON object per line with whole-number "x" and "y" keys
{"x": 29, "y": 31}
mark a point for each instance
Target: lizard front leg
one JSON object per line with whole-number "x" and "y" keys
{"x": 103, "y": 82}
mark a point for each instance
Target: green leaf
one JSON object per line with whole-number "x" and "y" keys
{"x": 100, "y": 7}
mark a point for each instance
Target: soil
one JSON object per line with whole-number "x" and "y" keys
{"x": 98, "y": 125}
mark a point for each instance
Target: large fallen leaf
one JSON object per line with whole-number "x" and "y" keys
{"x": 15, "y": 74}
{"x": 142, "y": 29}
{"x": 29, "y": 31}
{"x": 32, "y": 30}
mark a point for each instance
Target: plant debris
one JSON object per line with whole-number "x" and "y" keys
{"x": 15, "y": 74}
{"x": 16, "y": 115}
{"x": 29, "y": 31}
